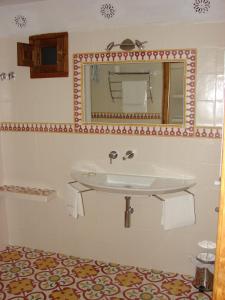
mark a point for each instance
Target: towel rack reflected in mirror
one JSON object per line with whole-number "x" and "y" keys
{"x": 115, "y": 84}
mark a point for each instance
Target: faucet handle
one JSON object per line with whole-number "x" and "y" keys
{"x": 129, "y": 154}
{"x": 112, "y": 155}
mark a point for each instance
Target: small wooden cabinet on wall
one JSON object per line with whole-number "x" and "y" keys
{"x": 46, "y": 55}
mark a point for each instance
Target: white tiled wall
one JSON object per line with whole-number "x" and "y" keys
{"x": 210, "y": 87}
{"x": 47, "y": 159}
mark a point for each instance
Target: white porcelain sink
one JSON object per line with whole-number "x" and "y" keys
{"x": 132, "y": 184}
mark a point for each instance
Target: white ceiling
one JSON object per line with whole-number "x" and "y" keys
{"x": 72, "y": 15}
{"x": 15, "y": 2}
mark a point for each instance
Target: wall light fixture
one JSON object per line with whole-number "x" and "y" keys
{"x": 127, "y": 45}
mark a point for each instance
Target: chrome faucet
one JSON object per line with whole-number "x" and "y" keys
{"x": 129, "y": 154}
{"x": 3, "y": 76}
{"x": 112, "y": 155}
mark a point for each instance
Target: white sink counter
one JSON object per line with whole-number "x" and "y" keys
{"x": 132, "y": 184}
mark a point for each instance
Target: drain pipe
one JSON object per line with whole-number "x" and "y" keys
{"x": 129, "y": 210}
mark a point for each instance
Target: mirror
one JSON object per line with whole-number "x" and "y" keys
{"x": 136, "y": 92}
{"x": 144, "y": 92}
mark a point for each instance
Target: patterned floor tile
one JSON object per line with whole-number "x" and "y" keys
{"x": 29, "y": 274}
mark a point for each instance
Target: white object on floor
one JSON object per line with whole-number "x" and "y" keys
{"x": 207, "y": 245}
{"x": 206, "y": 257}
{"x": 178, "y": 210}
{"x": 74, "y": 201}
{"x": 134, "y": 96}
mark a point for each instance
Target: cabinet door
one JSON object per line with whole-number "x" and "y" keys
{"x": 46, "y": 55}
{"x": 24, "y": 55}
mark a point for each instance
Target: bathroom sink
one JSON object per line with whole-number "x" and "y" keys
{"x": 132, "y": 184}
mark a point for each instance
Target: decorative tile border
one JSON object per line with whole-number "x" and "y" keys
{"x": 208, "y": 132}
{"x": 129, "y": 116}
{"x": 37, "y": 127}
{"x": 26, "y": 190}
{"x": 200, "y": 132}
{"x": 27, "y": 193}
{"x": 188, "y": 56}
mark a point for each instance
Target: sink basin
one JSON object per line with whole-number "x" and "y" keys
{"x": 132, "y": 184}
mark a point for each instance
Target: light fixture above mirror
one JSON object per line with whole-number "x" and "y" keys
{"x": 127, "y": 45}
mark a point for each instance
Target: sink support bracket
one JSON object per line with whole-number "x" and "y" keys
{"x": 129, "y": 210}
{"x": 162, "y": 199}
{"x": 81, "y": 192}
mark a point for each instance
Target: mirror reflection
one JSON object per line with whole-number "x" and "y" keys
{"x": 137, "y": 93}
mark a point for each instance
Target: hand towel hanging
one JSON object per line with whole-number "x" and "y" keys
{"x": 178, "y": 210}
{"x": 74, "y": 201}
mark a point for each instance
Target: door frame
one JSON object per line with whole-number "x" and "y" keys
{"x": 219, "y": 277}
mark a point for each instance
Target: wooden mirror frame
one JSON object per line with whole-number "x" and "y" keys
{"x": 188, "y": 56}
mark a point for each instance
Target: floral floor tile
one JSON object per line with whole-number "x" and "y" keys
{"x": 29, "y": 274}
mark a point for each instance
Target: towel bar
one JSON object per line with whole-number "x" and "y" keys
{"x": 81, "y": 192}
{"x": 156, "y": 196}
{"x": 161, "y": 198}
{"x": 187, "y": 191}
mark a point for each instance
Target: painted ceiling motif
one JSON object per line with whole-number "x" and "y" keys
{"x": 88, "y": 15}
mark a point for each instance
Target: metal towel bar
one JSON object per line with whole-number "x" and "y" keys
{"x": 161, "y": 198}
{"x": 81, "y": 192}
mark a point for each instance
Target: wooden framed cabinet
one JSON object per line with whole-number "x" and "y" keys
{"x": 46, "y": 55}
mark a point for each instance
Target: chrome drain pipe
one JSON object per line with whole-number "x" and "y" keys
{"x": 129, "y": 210}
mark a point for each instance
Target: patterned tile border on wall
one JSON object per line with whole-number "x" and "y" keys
{"x": 128, "y": 116}
{"x": 26, "y": 190}
{"x": 208, "y": 132}
{"x": 37, "y": 127}
{"x": 201, "y": 132}
{"x": 189, "y": 130}
{"x": 188, "y": 56}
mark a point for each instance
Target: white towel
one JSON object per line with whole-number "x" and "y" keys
{"x": 178, "y": 210}
{"x": 134, "y": 96}
{"x": 74, "y": 201}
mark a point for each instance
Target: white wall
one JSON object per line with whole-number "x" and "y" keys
{"x": 3, "y": 225}
{"x": 3, "y": 219}
{"x": 46, "y": 159}
{"x": 3, "y": 92}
